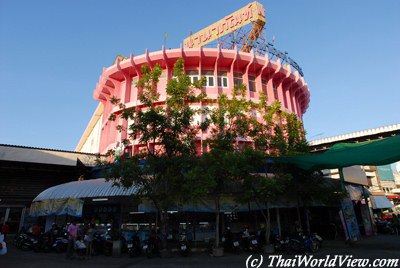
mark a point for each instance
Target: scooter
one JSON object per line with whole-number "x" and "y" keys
{"x": 151, "y": 247}
{"x": 133, "y": 246}
{"x": 231, "y": 244}
{"x": 183, "y": 245}
{"x": 280, "y": 244}
{"x": 28, "y": 242}
{"x": 60, "y": 244}
{"x": 253, "y": 245}
{"x": 303, "y": 243}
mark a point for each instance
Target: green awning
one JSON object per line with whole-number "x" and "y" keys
{"x": 370, "y": 153}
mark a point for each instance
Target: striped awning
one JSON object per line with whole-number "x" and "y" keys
{"x": 84, "y": 189}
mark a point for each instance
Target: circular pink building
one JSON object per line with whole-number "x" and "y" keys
{"x": 222, "y": 68}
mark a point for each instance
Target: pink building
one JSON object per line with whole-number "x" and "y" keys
{"x": 222, "y": 68}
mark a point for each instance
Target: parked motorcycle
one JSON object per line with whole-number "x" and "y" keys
{"x": 183, "y": 246}
{"x": 251, "y": 244}
{"x": 28, "y": 242}
{"x": 152, "y": 246}
{"x": 42, "y": 243}
{"x": 317, "y": 239}
{"x": 230, "y": 242}
{"x": 281, "y": 244}
{"x": 102, "y": 244}
{"x": 384, "y": 227}
{"x": 60, "y": 244}
{"x": 19, "y": 238}
{"x": 133, "y": 246}
{"x": 303, "y": 243}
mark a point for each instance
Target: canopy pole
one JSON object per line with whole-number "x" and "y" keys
{"x": 278, "y": 220}
{"x": 341, "y": 176}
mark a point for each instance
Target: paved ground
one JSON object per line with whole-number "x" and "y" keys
{"x": 382, "y": 246}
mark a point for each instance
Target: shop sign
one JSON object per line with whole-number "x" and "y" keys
{"x": 252, "y": 12}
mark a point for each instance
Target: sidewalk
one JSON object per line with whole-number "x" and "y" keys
{"x": 382, "y": 246}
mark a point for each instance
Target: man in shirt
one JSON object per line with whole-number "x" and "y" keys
{"x": 5, "y": 229}
{"x": 72, "y": 235}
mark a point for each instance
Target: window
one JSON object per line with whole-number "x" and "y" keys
{"x": 222, "y": 79}
{"x": 264, "y": 87}
{"x": 210, "y": 81}
{"x": 194, "y": 79}
{"x": 237, "y": 79}
{"x": 209, "y": 75}
{"x": 193, "y": 75}
{"x": 275, "y": 91}
{"x": 252, "y": 84}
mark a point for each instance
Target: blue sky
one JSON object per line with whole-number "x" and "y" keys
{"x": 52, "y": 53}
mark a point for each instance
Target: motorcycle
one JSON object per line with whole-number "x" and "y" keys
{"x": 302, "y": 243}
{"x": 133, "y": 246}
{"x": 107, "y": 245}
{"x": 183, "y": 245}
{"x": 102, "y": 244}
{"x": 42, "y": 243}
{"x": 317, "y": 239}
{"x": 281, "y": 245}
{"x": 384, "y": 227}
{"x": 251, "y": 244}
{"x": 231, "y": 244}
{"x": 28, "y": 242}
{"x": 97, "y": 244}
{"x": 19, "y": 238}
{"x": 60, "y": 244}
{"x": 151, "y": 247}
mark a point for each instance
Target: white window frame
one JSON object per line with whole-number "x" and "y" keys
{"x": 222, "y": 79}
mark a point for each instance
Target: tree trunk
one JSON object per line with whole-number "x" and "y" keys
{"x": 268, "y": 227}
{"x": 267, "y": 222}
{"x": 307, "y": 214}
{"x": 164, "y": 224}
{"x": 298, "y": 213}
{"x": 217, "y": 210}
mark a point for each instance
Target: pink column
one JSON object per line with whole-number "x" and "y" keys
{"x": 288, "y": 97}
{"x": 270, "y": 90}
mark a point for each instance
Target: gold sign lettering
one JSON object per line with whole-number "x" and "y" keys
{"x": 250, "y": 13}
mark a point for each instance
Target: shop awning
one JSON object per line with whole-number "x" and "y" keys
{"x": 380, "y": 201}
{"x": 68, "y": 198}
{"x": 69, "y": 206}
{"x": 372, "y": 153}
{"x": 84, "y": 189}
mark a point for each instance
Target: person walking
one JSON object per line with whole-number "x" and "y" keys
{"x": 72, "y": 235}
{"x": 5, "y": 229}
{"x": 396, "y": 223}
{"x": 89, "y": 236}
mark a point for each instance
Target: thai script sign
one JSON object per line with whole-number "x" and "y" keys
{"x": 252, "y": 12}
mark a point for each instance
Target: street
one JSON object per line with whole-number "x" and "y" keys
{"x": 377, "y": 247}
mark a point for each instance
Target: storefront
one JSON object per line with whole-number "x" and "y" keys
{"x": 89, "y": 200}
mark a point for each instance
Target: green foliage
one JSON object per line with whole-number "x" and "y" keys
{"x": 160, "y": 172}
{"x": 242, "y": 135}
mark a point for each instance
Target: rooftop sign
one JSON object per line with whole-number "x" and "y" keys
{"x": 250, "y": 13}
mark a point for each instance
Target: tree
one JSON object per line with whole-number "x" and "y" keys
{"x": 260, "y": 185}
{"x": 167, "y": 134}
{"x": 219, "y": 168}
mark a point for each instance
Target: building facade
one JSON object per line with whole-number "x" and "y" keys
{"x": 27, "y": 171}
{"x": 382, "y": 182}
{"x": 222, "y": 68}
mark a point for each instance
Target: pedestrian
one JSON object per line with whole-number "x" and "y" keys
{"x": 396, "y": 223}
{"x": 3, "y": 245}
{"x": 36, "y": 230}
{"x": 5, "y": 229}
{"x": 72, "y": 235}
{"x": 80, "y": 247}
{"x": 89, "y": 236}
